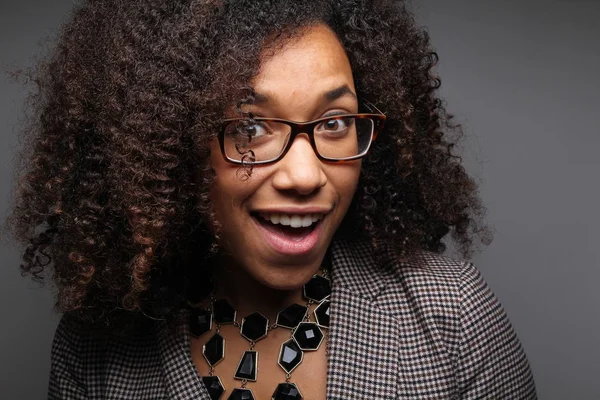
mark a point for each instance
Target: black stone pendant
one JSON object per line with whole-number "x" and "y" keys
{"x": 223, "y": 312}
{"x": 214, "y": 350}
{"x": 290, "y": 356}
{"x": 248, "y": 366}
{"x": 308, "y": 336}
{"x": 317, "y": 289}
{"x": 214, "y": 387}
{"x": 254, "y": 326}
{"x": 286, "y": 391}
{"x": 241, "y": 394}
{"x": 291, "y": 316}
{"x": 200, "y": 322}
{"x": 322, "y": 314}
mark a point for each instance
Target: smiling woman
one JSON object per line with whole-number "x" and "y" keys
{"x": 297, "y": 83}
{"x": 211, "y": 181}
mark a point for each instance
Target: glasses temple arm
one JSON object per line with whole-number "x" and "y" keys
{"x": 372, "y": 107}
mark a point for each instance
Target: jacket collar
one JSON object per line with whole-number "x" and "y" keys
{"x": 364, "y": 336}
{"x": 181, "y": 379}
{"x": 354, "y": 268}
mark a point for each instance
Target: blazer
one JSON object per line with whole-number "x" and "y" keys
{"x": 425, "y": 329}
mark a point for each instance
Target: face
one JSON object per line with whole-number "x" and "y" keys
{"x": 307, "y": 79}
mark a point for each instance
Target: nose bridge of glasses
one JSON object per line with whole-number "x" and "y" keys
{"x": 298, "y": 128}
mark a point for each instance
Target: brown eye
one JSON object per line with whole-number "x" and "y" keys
{"x": 250, "y": 130}
{"x": 245, "y": 130}
{"x": 338, "y": 126}
{"x": 332, "y": 124}
{"x": 255, "y": 130}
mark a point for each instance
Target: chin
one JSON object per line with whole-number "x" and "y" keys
{"x": 287, "y": 279}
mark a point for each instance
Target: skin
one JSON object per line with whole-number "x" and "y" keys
{"x": 291, "y": 84}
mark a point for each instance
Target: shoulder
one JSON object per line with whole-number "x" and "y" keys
{"x": 74, "y": 339}
{"x": 455, "y": 307}
{"x": 441, "y": 281}
{"x": 448, "y": 296}
{"x": 83, "y": 361}
{"x": 426, "y": 276}
{"x": 447, "y": 312}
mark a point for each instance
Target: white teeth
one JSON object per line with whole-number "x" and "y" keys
{"x": 295, "y": 221}
{"x": 307, "y": 221}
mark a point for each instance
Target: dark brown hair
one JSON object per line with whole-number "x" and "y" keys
{"x": 112, "y": 194}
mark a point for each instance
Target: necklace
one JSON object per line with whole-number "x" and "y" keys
{"x": 306, "y": 335}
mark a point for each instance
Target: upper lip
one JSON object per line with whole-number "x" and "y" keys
{"x": 294, "y": 210}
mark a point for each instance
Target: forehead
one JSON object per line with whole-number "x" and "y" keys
{"x": 313, "y": 62}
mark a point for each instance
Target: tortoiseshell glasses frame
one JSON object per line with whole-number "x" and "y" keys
{"x": 308, "y": 128}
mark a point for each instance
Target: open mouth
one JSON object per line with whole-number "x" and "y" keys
{"x": 289, "y": 226}
{"x": 290, "y": 234}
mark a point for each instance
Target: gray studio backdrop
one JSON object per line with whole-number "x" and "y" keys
{"x": 522, "y": 76}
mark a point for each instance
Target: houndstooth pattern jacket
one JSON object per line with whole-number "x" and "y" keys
{"x": 428, "y": 329}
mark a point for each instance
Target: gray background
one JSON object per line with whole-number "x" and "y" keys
{"x": 522, "y": 76}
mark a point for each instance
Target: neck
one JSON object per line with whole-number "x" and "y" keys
{"x": 247, "y": 295}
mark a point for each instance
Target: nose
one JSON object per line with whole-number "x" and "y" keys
{"x": 300, "y": 170}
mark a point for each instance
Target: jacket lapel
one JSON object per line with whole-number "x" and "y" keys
{"x": 363, "y": 348}
{"x": 180, "y": 376}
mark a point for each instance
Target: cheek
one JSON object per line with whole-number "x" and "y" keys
{"x": 226, "y": 198}
{"x": 224, "y": 187}
{"x": 227, "y": 192}
{"x": 231, "y": 189}
{"x": 344, "y": 178}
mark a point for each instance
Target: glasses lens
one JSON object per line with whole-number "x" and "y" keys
{"x": 342, "y": 138}
{"x": 251, "y": 141}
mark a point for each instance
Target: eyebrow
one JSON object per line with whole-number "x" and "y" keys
{"x": 330, "y": 95}
{"x": 342, "y": 91}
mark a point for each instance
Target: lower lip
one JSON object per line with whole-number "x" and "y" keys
{"x": 284, "y": 245}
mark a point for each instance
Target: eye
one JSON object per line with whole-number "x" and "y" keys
{"x": 246, "y": 131}
{"x": 335, "y": 125}
{"x": 255, "y": 129}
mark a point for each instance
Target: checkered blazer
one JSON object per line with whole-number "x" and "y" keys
{"x": 428, "y": 329}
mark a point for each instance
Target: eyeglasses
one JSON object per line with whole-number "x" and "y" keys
{"x": 338, "y": 138}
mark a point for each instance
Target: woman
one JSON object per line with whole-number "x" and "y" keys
{"x": 214, "y": 181}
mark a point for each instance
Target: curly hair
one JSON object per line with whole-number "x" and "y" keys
{"x": 113, "y": 198}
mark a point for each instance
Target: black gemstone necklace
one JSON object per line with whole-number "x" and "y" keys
{"x": 305, "y": 336}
